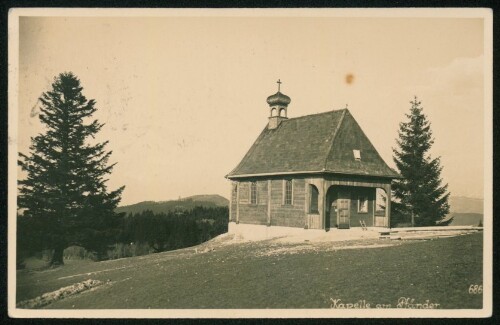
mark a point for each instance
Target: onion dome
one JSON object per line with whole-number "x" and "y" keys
{"x": 278, "y": 99}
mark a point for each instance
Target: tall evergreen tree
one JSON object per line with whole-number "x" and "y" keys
{"x": 419, "y": 195}
{"x": 65, "y": 190}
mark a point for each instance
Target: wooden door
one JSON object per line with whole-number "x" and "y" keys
{"x": 332, "y": 215}
{"x": 343, "y": 213}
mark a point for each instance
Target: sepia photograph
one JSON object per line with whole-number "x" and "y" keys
{"x": 250, "y": 163}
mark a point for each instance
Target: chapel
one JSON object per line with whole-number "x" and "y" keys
{"x": 317, "y": 171}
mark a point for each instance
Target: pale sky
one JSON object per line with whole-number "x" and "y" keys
{"x": 184, "y": 98}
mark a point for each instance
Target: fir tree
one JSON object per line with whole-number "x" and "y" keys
{"x": 65, "y": 190}
{"x": 419, "y": 195}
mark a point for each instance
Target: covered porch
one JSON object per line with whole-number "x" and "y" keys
{"x": 344, "y": 203}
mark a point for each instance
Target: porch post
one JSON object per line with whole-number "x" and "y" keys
{"x": 231, "y": 184}
{"x": 238, "y": 203}
{"x": 388, "y": 205}
{"x": 323, "y": 203}
{"x": 307, "y": 208}
{"x": 269, "y": 203}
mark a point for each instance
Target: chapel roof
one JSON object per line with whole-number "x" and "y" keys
{"x": 318, "y": 143}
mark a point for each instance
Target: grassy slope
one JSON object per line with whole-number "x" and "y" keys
{"x": 235, "y": 276}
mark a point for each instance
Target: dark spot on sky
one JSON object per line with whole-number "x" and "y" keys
{"x": 349, "y": 78}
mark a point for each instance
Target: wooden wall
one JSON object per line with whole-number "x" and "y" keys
{"x": 275, "y": 213}
{"x": 288, "y": 215}
{"x": 234, "y": 192}
{"x": 253, "y": 213}
{"x": 281, "y": 215}
{"x": 356, "y": 216}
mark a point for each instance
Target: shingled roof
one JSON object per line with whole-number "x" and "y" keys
{"x": 319, "y": 143}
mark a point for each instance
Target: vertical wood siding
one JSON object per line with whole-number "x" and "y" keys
{"x": 288, "y": 215}
{"x": 254, "y": 213}
{"x": 356, "y": 216}
{"x": 232, "y": 216}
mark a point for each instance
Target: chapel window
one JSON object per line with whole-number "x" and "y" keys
{"x": 362, "y": 204}
{"x": 288, "y": 191}
{"x": 253, "y": 193}
{"x": 313, "y": 205}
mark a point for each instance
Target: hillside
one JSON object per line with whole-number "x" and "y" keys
{"x": 271, "y": 275}
{"x": 217, "y": 199}
{"x": 466, "y": 219}
{"x": 208, "y": 201}
{"x": 465, "y": 211}
{"x": 462, "y": 204}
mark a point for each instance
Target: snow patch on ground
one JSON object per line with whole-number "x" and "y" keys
{"x": 285, "y": 250}
{"x": 247, "y": 233}
{"x": 59, "y": 294}
{"x": 290, "y": 249}
{"x": 432, "y": 234}
{"x": 93, "y": 273}
{"x": 216, "y": 242}
{"x": 313, "y": 241}
{"x": 364, "y": 246}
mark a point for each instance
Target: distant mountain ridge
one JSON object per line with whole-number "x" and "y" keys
{"x": 462, "y": 204}
{"x": 466, "y": 211}
{"x": 215, "y": 198}
{"x": 206, "y": 200}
